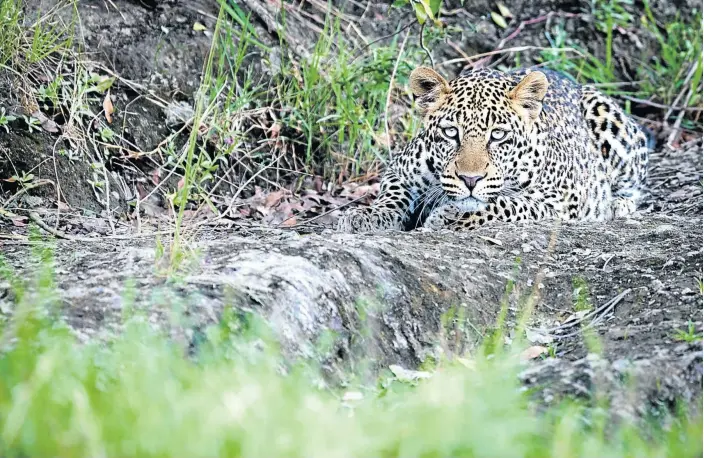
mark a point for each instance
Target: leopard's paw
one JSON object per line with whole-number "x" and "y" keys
{"x": 356, "y": 220}
{"x": 366, "y": 219}
{"x": 442, "y": 217}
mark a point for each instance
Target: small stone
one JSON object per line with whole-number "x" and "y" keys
{"x": 352, "y": 396}
{"x": 682, "y": 194}
{"x": 538, "y": 336}
{"x": 178, "y": 113}
{"x": 33, "y": 201}
{"x": 408, "y": 375}
{"x": 665, "y": 229}
{"x": 621, "y": 365}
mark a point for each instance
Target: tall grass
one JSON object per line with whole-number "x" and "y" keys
{"x": 10, "y": 29}
{"x": 661, "y": 72}
{"x": 25, "y": 41}
{"x": 331, "y": 105}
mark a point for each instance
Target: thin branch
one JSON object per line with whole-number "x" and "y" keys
{"x": 339, "y": 207}
{"x": 361, "y": 51}
{"x": 388, "y": 94}
{"x": 675, "y": 133}
{"x": 26, "y": 188}
{"x": 690, "y": 75}
{"x": 502, "y": 51}
{"x": 422, "y": 45}
{"x": 521, "y": 26}
{"x": 659, "y": 105}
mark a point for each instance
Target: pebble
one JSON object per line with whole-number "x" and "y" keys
{"x": 665, "y": 228}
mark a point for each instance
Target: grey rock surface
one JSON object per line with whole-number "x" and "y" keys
{"x": 388, "y": 297}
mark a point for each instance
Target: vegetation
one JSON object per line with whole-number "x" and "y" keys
{"x": 689, "y": 335}
{"x": 334, "y": 105}
{"x": 336, "y": 112}
{"x": 143, "y": 394}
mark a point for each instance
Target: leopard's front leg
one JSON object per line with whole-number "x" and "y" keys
{"x": 454, "y": 217}
{"x": 388, "y": 212}
{"x": 404, "y": 188}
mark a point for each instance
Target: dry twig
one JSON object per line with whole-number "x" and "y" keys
{"x": 506, "y": 50}
{"x": 388, "y": 94}
{"x": 685, "y": 84}
{"x": 659, "y": 105}
{"x": 520, "y": 27}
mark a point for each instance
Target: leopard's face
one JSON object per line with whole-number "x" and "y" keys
{"x": 480, "y": 129}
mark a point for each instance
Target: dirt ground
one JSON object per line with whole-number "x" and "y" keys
{"x": 159, "y": 57}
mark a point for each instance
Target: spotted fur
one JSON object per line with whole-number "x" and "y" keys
{"x": 525, "y": 145}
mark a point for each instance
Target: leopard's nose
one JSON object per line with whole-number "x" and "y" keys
{"x": 471, "y": 180}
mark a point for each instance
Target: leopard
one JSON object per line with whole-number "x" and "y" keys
{"x": 495, "y": 146}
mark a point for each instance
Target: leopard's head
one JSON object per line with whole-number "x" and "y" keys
{"x": 481, "y": 125}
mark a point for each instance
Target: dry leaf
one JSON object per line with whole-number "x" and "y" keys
{"x": 50, "y": 126}
{"x": 198, "y": 27}
{"x": 108, "y": 107}
{"x": 19, "y": 221}
{"x": 275, "y": 130}
{"x": 273, "y": 199}
{"x": 39, "y": 115}
{"x": 318, "y": 183}
{"x": 289, "y": 222}
{"x": 47, "y": 124}
{"x": 532, "y": 352}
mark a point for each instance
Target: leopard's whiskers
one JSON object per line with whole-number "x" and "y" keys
{"x": 431, "y": 196}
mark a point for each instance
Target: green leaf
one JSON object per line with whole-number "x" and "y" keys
{"x": 505, "y": 12}
{"x": 420, "y": 13}
{"x": 435, "y": 6}
{"x": 499, "y": 19}
{"x": 423, "y": 10}
{"x": 103, "y": 84}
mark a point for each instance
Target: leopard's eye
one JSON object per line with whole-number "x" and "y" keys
{"x": 450, "y": 132}
{"x": 498, "y": 135}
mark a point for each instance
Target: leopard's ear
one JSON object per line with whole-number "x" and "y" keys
{"x": 429, "y": 88}
{"x": 527, "y": 96}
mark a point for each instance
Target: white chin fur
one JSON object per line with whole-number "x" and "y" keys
{"x": 470, "y": 204}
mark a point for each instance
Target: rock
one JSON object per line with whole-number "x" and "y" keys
{"x": 383, "y": 297}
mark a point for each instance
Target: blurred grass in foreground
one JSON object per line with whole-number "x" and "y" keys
{"x": 141, "y": 394}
